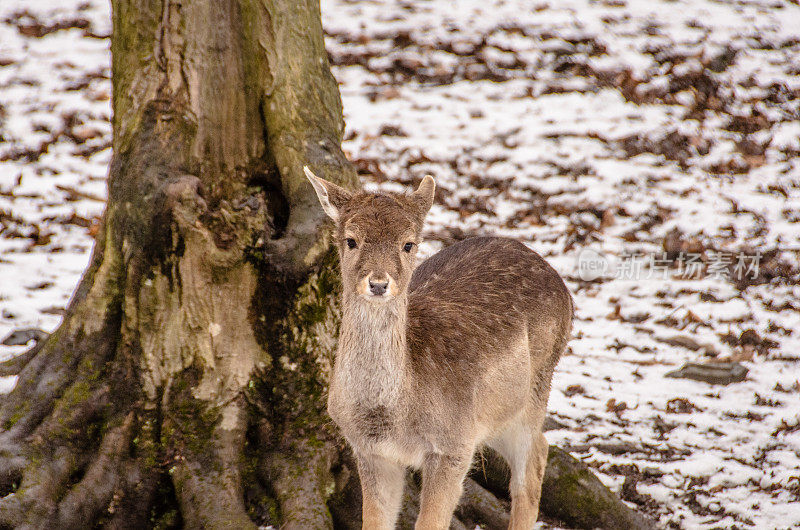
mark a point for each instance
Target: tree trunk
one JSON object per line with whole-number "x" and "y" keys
{"x": 186, "y": 384}
{"x": 210, "y": 284}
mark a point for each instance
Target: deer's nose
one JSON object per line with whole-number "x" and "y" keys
{"x": 378, "y": 288}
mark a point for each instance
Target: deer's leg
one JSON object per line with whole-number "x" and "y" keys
{"x": 382, "y": 484}
{"x": 442, "y": 483}
{"x": 526, "y": 490}
{"x": 524, "y": 447}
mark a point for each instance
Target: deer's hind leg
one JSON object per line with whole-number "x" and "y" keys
{"x": 527, "y": 492}
{"x": 524, "y": 447}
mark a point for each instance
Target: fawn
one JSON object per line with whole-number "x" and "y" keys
{"x": 435, "y": 361}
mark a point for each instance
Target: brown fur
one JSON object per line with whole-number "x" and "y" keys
{"x": 460, "y": 352}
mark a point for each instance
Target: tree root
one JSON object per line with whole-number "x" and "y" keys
{"x": 112, "y": 485}
{"x": 42, "y": 383}
{"x": 92, "y": 495}
{"x": 207, "y": 499}
{"x": 16, "y": 364}
{"x": 570, "y": 492}
{"x": 39, "y": 383}
{"x": 35, "y": 499}
{"x": 44, "y": 498}
{"x": 208, "y": 480}
{"x": 479, "y": 507}
{"x": 69, "y": 418}
{"x": 300, "y": 478}
{"x": 131, "y": 506}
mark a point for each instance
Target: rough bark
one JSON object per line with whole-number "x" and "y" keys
{"x": 186, "y": 384}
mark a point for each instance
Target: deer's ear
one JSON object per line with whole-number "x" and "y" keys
{"x": 423, "y": 197}
{"x": 331, "y": 197}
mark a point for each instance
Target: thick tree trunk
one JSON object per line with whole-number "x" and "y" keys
{"x": 210, "y": 283}
{"x": 186, "y": 384}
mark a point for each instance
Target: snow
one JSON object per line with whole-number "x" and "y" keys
{"x": 564, "y": 124}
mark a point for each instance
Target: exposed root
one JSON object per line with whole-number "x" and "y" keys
{"x": 71, "y": 414}
{"x": 570, "y": 492}
{"x": 478, "y": 506}
{"x": 345, "y": 502}
{"x": 92, "y": 495}
{"x": 208, "y": 479}
{"x": 16, "y": 364}
{"x": 207, "y": 498}
{"x": 300, "y": 478}
{"x": 40, "y": 500}
{"x": 41, "y": 383}
{"x": 573, "y": 494}
{"x": 29, "y": 390}
{"x": 131, "y": 506}
{"x": 35, "y": 499}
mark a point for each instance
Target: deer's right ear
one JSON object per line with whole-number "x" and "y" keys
{"x": 331, "y": 197}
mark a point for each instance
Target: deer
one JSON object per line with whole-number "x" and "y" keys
{"x": 436, "y": 361}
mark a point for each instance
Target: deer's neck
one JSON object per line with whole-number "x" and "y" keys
{"x": 372, "y": 350}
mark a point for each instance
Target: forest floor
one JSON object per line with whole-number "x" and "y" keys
{"x": 648, "y": 149}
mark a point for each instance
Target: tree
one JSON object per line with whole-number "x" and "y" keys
{"x": 186, "y": 384}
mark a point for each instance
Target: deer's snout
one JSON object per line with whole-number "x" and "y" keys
{"x": 378, "y": 287}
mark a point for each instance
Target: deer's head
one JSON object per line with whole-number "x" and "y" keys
{"x": 377, "y": 235}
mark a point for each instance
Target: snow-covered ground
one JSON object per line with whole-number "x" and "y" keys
{"x": 635, "y": 135}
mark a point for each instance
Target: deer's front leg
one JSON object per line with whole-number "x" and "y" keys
{"x": 382, "y": 484}
{"x": 442, "y": 483}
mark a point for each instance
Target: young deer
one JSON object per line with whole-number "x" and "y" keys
{"x": 435, "y": 361}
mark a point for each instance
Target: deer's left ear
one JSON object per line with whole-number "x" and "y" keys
{"x": 332, "y": 197}
{"x": 423, "y": 197}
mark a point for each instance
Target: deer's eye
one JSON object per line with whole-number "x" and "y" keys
{"x": 408, "y": 246}
{"x": 351, "y": 243}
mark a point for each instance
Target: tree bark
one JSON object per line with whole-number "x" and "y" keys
{"x": 186, "y": 384}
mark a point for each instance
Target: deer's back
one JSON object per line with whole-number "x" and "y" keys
{"x": 470, "y": 301}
